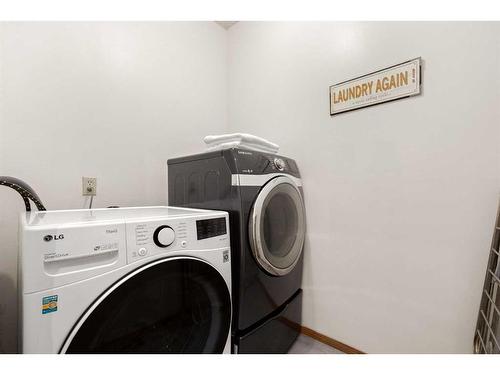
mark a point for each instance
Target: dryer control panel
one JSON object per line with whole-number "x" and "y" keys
{"x": 250, "y": 162}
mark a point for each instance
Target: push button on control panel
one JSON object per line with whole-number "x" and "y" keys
{"x": 164, "y": 236}
{"x": 142, "y": 251}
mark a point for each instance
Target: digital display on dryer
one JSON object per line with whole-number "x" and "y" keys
{"x": 211, "y": 228}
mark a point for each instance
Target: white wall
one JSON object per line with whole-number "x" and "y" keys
{"x": 110, "y": 100}
{"x": 400, "y": 197}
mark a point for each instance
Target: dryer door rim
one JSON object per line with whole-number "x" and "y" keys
{"x": 256, "y": 226}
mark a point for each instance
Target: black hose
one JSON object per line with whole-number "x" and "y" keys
{"x": 24, "y": 190}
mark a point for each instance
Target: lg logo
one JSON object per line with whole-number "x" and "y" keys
{"x": 50, "y": 237}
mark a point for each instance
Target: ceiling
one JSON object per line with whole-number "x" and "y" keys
{"x": 226, "y": 24}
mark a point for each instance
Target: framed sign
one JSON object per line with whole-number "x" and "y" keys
{"x": 396, "y": 82}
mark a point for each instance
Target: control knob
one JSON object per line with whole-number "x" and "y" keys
{"x": 164, "y": 236}
{"x": 279, "y": 163}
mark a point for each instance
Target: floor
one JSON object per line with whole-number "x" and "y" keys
{"x": 307, "y": 345}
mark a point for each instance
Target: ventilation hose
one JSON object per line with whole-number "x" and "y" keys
{"x": 26, "y": 192}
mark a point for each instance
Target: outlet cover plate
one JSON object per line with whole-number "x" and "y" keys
{"x": 89, "y": 186}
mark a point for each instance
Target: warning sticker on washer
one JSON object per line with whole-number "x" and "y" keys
{"x": 49, "y": 304}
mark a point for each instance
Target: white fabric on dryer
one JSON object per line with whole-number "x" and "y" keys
{"x": 243, "y": 140}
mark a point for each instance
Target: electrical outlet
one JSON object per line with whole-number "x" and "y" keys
{"x": 89, "y": 186}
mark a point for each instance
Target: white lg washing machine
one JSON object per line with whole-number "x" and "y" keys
{"x": 125, "y": 280}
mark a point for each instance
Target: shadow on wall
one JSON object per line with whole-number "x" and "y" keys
{"x": 8, "y": 315}
{"x": 11, "y": 206}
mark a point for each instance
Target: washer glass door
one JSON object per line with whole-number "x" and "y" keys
{"x": 176, "y": 305}
{"x": 277, "y": 226}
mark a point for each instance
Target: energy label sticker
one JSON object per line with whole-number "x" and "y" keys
{"x": 49, "y": 304}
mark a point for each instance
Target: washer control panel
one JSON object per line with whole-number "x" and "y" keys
{"x": 150, "y": 238}
{"x": 210, "y": 227}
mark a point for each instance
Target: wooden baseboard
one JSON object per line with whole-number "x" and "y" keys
{"x": 329, "y": 341}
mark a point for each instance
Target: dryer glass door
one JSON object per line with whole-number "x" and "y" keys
{"x": 277, "y": 226}
{"x": 176, "y": 305}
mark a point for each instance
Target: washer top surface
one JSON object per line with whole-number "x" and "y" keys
{"x": 70, "y": 217}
